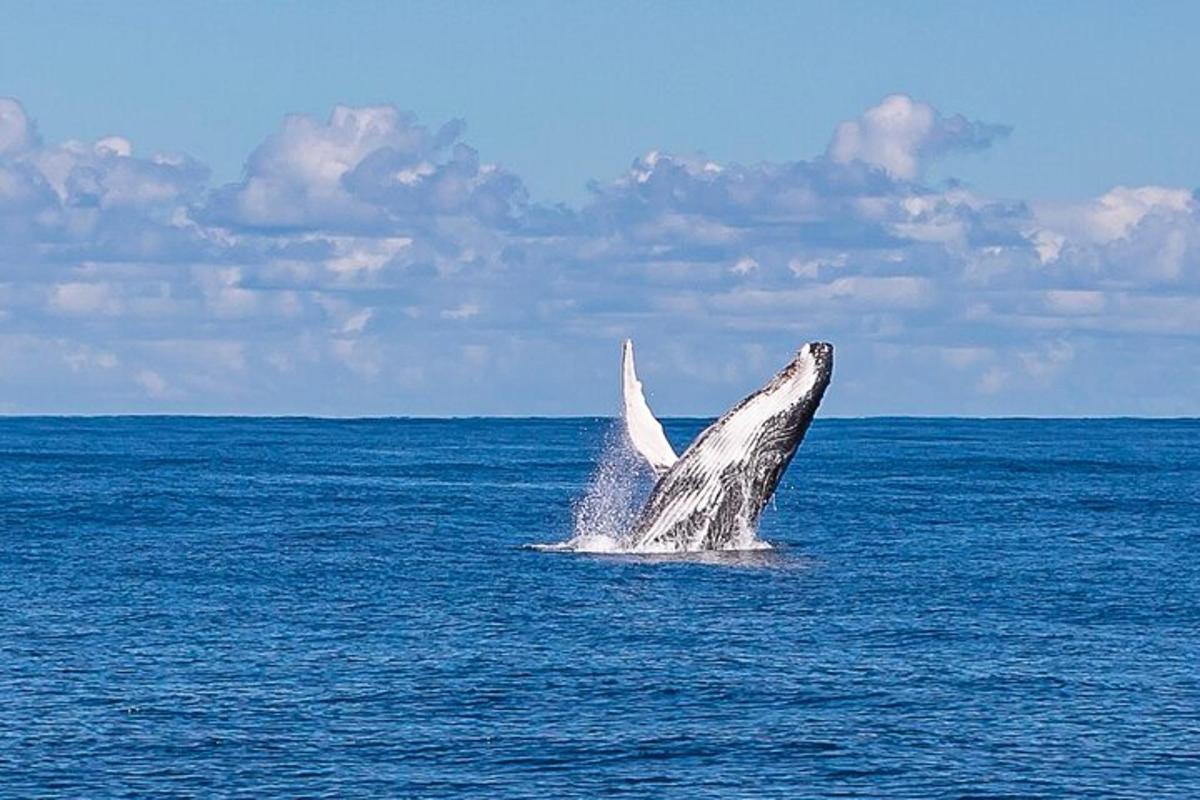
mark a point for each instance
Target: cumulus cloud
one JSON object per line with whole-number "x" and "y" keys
{"x": 1128, "y": 238}
{"x": 1114, "y": 214}
{"x": 900, "y": 132}
{"x": 85, "y": 298}
{"x": 367, "y": 169}
{"x": 93, "y": 200}
{"x": 369, "y": 263}
{"x": 16, "y": 130}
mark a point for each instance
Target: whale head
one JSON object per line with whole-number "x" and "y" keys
{"x": 782, "y": 410}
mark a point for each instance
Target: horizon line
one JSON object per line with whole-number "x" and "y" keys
{"x": 564, "y": 417}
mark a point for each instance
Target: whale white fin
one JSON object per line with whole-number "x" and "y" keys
{"x": 645, "y": 432}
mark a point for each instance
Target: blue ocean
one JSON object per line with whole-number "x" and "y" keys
{"x": 278, "y": 608}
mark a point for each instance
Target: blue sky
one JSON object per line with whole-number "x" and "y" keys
{"x": 989, "y": 209}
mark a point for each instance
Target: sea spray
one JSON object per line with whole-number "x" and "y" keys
{"x": 616, "y": 491}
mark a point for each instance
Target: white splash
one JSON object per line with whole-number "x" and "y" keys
{"x": 616, "y": 491}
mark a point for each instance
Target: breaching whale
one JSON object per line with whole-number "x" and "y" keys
{"x": 710, "y": 498}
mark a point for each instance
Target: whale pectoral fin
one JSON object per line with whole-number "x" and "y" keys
{"x": 644, "y": 431}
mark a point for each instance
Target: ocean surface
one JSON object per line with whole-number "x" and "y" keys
{"x": 271, "y": 608}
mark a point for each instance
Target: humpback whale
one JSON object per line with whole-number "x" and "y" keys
{"x": 710, "y": 498}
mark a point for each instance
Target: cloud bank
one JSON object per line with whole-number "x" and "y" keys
{"x": 369, "y": 264}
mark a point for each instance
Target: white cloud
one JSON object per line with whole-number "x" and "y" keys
{"x": 359, "y": 356}
{"x": 1048, "y": 359}
{"x": 1074, "y": 301}
{"x": 1127, "y": 237}
{"x": 461, "y": 311}
{"x": 355, "y": 254}
{"x": 16, "y": 131}
{"x": 357, "y": 322}
{"x": 1048, "y": 244}
{"x": 744, "y": 266}
{"x": 355, "y": 261}
{"x": 994, "y": 380}
{"x": 85, "y": 298}
{"x": 364, "y": 169}
{"x": 82, "y": 357}
{"x": 813, "y": 268}
{"x": 899, "y": 132}
{"x": 1117, "y": 211}
{"x": 297, "y": 173}
{"x": 114, "y": 146}
{"x": 152, "y": 383}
